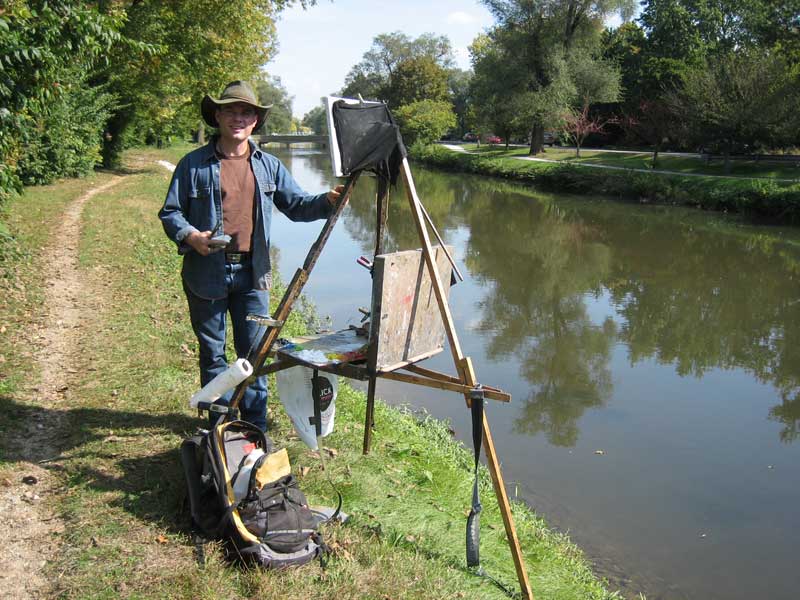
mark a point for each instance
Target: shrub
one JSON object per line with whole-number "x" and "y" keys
{"x": 425, "y": 121}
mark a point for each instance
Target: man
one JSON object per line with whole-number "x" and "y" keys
{"x": 228, "y": 187}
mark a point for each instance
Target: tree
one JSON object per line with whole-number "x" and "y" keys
{"x": 416, "y": 79}
{"x": 738, "y": 101}
{"x": 653, "y": 122}
{"x": 624, "y": 47}
{"x": 458, "y": 82}
{"x": 51, "y": 119}
{"x": 539, "y": 36}
{"x": 425, "y": 121}
{"x": 196, "y": 48}
{"x": 317, "y": 120}
{"x": 579, "y": 124}
{"x": 595, "y": 79}
{"x": 373, "y": 74}
{"x": 494, "y": 96}
{"x": 271, "y": 91}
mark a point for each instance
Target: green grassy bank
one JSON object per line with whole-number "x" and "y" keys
{"x": 758, "y": 198}
{"x": 125, "y": 412}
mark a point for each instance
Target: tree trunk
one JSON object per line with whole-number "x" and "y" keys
{"x": 655, "y": 156}
{"x": 201, "y": 134}
{"x": 727, "y": 156}
{"x": 577, "y": 149}
{"x": 537, "y": 140}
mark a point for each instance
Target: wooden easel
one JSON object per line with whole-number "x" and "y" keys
{"x": 464, "y": 383}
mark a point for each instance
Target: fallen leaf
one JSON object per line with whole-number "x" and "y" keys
{"x": 162, "y": 539}
{"x": 332, "y": 451}
{"x": 411, "y": 539}
{"x": 304, "y": 471}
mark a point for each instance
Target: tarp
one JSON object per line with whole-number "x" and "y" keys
{"x": 369, "y": 139}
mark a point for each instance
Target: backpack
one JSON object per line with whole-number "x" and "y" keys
{"x": 261, "y": 520}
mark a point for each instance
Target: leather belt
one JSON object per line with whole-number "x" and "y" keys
{"x": 236, "y": 257}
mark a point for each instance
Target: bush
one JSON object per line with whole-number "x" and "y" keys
{"x": 425, "y": 121}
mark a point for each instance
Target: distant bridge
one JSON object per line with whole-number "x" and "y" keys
{"x": 290, "y": 138}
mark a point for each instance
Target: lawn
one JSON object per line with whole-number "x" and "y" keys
{"x": 643, "y": 160}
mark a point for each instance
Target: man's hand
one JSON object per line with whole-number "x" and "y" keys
{"x": 199, "y": 241}
{"x": 335, "y": 194}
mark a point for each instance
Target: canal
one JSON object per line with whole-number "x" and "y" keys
{"x": 653, "y": 356}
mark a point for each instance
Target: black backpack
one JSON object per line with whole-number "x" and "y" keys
{"x": 271, "y": 525}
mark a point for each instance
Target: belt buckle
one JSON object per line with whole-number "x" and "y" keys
{"x": 234, "y": 257}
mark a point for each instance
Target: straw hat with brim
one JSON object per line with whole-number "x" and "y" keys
{"x": 235, "y": 91}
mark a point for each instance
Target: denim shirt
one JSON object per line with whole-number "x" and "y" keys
{"x": 194, "y": 203}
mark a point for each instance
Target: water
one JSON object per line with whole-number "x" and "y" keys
{"x": 653, "y": 355}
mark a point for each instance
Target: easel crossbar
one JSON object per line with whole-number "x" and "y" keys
{"x": 443, "y": 385}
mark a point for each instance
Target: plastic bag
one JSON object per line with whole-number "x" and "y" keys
{"x": 296, "y": 391}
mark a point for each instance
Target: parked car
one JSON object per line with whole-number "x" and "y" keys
{"x": 549, "y": 138}
{"x": 470, "y": 137}
{"x": 494, "y": 139}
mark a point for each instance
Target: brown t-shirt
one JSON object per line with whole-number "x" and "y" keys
{"x": 238, "y": 200}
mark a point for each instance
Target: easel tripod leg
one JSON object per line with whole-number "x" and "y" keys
{"x": 505, "y": 511}
{"x": 467, "y": 377}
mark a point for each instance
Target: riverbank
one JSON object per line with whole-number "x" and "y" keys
{"x": 758, "y": 198}
{"x": 106, "y": 419}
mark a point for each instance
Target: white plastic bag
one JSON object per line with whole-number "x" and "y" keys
{"x": 295, "y": 389}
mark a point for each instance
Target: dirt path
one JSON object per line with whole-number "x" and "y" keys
{"x": 30, "y": 527}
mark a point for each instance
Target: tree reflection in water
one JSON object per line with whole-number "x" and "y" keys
{"x": 691, "y": 291}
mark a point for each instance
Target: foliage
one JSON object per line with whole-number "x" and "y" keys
{"x": 372, "y": 76}
{"x": 46, "y": 48}
{"x": 458, "y": 83}
{"x": 186, "y": 49}
{"x": 595, "y": 79}
{"x": 624, "y": 46}
{"x": 270, "y": 90}
{"x": 425, "y": 121}
{"x": 416, "y": 79}
{"x": 653, "y": 123}
{"x": 317, "y": 120}
{"x": 740, "y": 100}
{"x": 526, "y": 59}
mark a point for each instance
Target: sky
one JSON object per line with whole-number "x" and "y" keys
{"x": 318, "y": 46}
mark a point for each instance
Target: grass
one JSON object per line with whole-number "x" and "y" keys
{"x": 126, "y": 532}
{"x": 775, "y": 201}
{"x": 644, "y": 160}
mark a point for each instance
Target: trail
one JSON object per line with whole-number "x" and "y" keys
{"x": 31, "y": 528}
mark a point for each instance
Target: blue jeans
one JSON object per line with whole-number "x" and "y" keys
{"x": 208, "y": 321}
